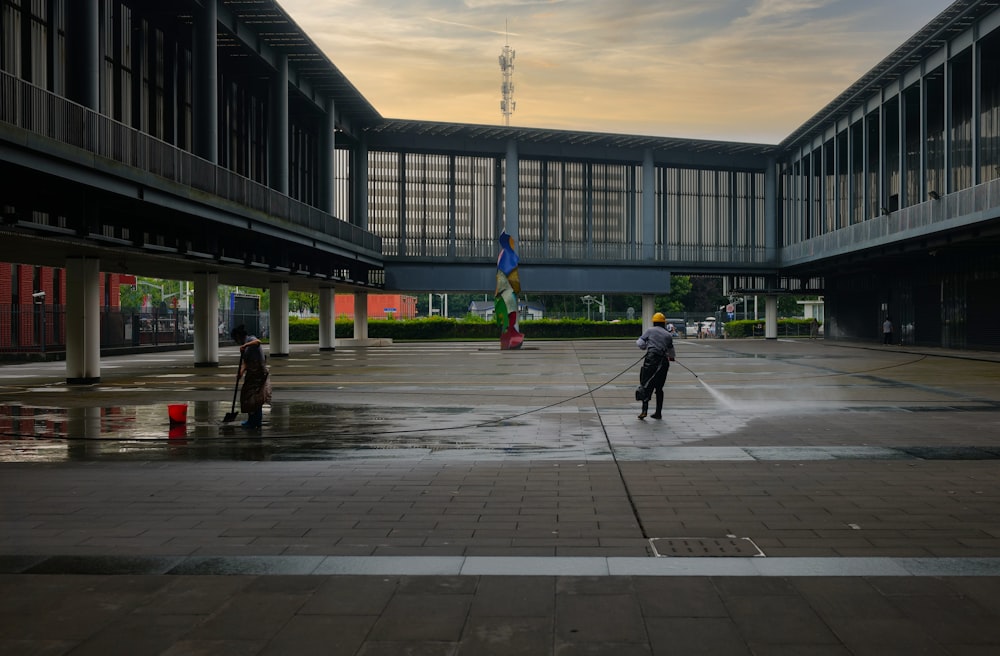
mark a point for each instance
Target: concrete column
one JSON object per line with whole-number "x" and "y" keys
{"x": 206, "y": 320}
{"x": 279, "y": 319}
{"x": 512, "y": 191}
{"x": 771, "y": 317}
{"x": 327, "y": 319}
{"x": 327, "y": 167}
{"x": 648, "y": 206}
{"x": 205, "y": 64}
{"x": 83, "y": 321}
{"x": 648, "y": 309}
{"x": 277, "y": 171}
{"x": 360, "y": 315}
{"x": 83, "y": 53}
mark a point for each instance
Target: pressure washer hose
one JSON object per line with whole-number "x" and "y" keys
{"x": 686, "y": 367}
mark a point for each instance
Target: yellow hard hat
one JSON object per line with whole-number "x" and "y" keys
{"x": 659, "y": 318}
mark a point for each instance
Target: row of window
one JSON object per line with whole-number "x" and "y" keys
{"x": 147, "y": 83}
{"x": 418, "y": 197}
{"x": 940, "y": 135}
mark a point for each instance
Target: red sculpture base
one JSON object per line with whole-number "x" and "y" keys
{"x": 511, "y": 339}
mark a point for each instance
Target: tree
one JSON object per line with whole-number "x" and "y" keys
{"x": 155, "y": 290}
{"x": 788, "y": 306}
{"x": 303, "y": 302}
{"x": 706, "y": 295}
{"x": 675, "y": 301}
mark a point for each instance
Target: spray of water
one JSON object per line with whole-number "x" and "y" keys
{"x": 767, "y": 400}
{"x": 720, "y": 398}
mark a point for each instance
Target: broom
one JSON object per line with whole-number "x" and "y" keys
{"x": 232, "y": 414}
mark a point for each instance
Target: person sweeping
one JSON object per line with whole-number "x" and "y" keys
{"x": 658, "y": 344}
{"x": 256, "y": 378}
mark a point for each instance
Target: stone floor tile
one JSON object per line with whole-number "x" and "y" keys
{"x": 678, "y": 597}
{"x": 514, "y": 596}
{"x": 35, "y": 647}
{"x": 235, "y": 647}
{"x": 695, "y": 635}
{"x": 902, "y": 635}
{"x": 422, "y": 618}
{"x": 138, "y": 634}
{"x": 350, "y": 595}
{"x": 506, "y": 636}
{"x": 778, "y": 619}
{"x": 564, "y": 648}
{"x": 193, "y": 595}
{"x": 322, "y": 635}
{"x": 409, "y": 648}
{"x": 842, "y": 597}
{"x": 598, "y": 618}
{"x": 954, "y": 620}
{"x": 250, "y": 616}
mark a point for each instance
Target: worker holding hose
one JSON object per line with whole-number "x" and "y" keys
{"x": 659, "y": 348}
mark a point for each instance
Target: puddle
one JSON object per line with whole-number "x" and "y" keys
{"x": 292, "y": 431}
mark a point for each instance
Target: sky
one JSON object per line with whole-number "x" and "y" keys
{"x": 732, "y": 70}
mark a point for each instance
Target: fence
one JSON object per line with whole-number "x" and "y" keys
{"x": 40, "y": 329}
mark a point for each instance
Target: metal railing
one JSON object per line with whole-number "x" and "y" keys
{"x": 585, "y": 253}
{"x": 955, "y": 209}
{"x": 44, "y": 114}
{"x": 40, "y": 329}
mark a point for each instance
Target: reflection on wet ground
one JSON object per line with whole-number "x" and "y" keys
{"x": 294, "y": 430}
{"x": 568, "y": 400}
{"x": 205, "y": 419}
{"x": 318, "y": 431}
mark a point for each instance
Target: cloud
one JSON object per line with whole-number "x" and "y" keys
{"x": 718, "y": 69}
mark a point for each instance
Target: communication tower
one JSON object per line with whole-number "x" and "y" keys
{"x": 507, "y": 88}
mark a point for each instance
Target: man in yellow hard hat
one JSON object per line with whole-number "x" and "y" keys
{"x": 659, "y": 348}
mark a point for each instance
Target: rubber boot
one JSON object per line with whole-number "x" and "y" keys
{"x": 659, "y": 405}
{"x": 254, "y": 419}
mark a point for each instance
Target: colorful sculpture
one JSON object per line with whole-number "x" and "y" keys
{"x": 508, "y": 287}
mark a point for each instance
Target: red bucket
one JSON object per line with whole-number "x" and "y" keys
{"x": 178, "y": 413}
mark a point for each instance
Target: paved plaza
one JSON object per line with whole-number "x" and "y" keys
{"x": 799, "y": 497}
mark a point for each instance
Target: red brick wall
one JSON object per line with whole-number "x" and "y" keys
{"x": 406, "y": 306}
{"x": 47, "y": 277}
{"x": 5, "y": 279}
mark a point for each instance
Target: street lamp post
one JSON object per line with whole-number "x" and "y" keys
{"x": 589, "y": 300}
{"x": 430, "y": 304}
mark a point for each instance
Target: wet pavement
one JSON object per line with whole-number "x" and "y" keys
{"x": 798, "y": 497}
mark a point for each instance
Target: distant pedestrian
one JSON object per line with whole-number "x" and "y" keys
{"x": 256, "y": 378}
{"x": 887, "y": 331}
{"x": 659, "y": 348}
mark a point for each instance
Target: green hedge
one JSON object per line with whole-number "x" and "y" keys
{"x": 307, "y": 330}
{"x": 755, "y": 328}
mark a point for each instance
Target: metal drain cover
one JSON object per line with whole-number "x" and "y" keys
{"x": 727, "y": 547}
